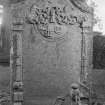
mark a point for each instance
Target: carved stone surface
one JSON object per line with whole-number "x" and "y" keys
{"x": 52, "y": 22}
{"x": 17, "y": 29}
{"x": 50, "y": 67}
{"x": 15, "y": 1}
{"x": 4, "y": 97}
{"x": 18, "y": 97}
{"x": 81, "y": 5}
{"x": 18, "y": 86}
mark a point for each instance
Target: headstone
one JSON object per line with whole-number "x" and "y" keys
{"x": 54, "y": 48}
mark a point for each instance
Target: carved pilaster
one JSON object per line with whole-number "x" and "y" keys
{"x": 86, "y": 45}
{"x": 16, "y": 54}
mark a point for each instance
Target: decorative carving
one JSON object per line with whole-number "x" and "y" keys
{"x": 52, "y": 21}
{"x": 81, "y": 5}
{"x": 52, "y": 15}
{"x": 17, "y": 29}
{"x": 18, "y": 86}
{"x": 4, "y": 97}
{"x": 18, "y": 97}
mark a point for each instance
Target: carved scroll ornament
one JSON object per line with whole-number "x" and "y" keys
{"x": 81, "y": 5}
{"x": 52, "y": 22}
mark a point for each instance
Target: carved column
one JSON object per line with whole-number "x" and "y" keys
{"x": 83, "y": 54}
{"x": 86, "y": 45}
{"x": 86, "y": 51}
{"x": 16, "y": 54}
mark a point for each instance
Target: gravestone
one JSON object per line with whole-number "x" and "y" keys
{"x": 56, "y": 47}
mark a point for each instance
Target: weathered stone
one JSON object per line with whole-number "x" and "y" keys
{"x": 53, "y": 60}
{"x": 52, "y": 54}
